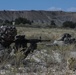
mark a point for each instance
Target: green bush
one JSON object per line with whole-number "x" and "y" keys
{"x": 53, "y": 24}
{"x": 7, "y": 22}
{"x": 69, "y": 24}
{"x": 22, "y": 20}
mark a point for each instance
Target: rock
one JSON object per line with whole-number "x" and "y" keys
{"x": 57, "y": 56}
{"x": 71, "y": 61}
{"x": 36, "y": 59}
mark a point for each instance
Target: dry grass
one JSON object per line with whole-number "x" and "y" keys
{"x": 51, "y": 33}
{"x": 43, "y": 52}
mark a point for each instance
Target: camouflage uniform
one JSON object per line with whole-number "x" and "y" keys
{"x": 7, "y": 34}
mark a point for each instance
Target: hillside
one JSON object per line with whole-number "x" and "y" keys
{"x": 40, "y": 17}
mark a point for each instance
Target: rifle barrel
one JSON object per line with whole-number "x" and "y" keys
{"x": 36, "y": 40}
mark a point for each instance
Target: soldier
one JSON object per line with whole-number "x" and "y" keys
{"x": 20, "y": 42}
{"x": 65, "y": 36}
{"x": 7, "y": 34}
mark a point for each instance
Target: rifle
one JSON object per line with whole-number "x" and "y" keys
{"x": 36, "y": 40}
{"x": 21, "y": 41}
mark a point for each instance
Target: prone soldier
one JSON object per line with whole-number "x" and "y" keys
{"x": 21, "y": 42}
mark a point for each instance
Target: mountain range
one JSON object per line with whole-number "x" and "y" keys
{"x": 39, "y": 16}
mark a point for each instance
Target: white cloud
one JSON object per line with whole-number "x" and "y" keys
{"x": 72, "y": 9}
{"x": 55, "y": 9}
{"x": 12, "y": 9}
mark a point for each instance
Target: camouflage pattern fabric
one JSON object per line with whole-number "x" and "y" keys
{"x": 7, "y": 34}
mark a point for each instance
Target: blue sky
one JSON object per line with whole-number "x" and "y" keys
{"x": 65, "y": 5}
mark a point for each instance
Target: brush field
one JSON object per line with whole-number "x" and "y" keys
{"x": 45, "y": 60}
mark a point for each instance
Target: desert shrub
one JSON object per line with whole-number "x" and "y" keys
{"x": 7, "y": 22}
{"x": 1, "y": 21}
{"x": 53, "y": 24}
{"x": 22, "y": 20}
{"x": 69, "y": 24}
